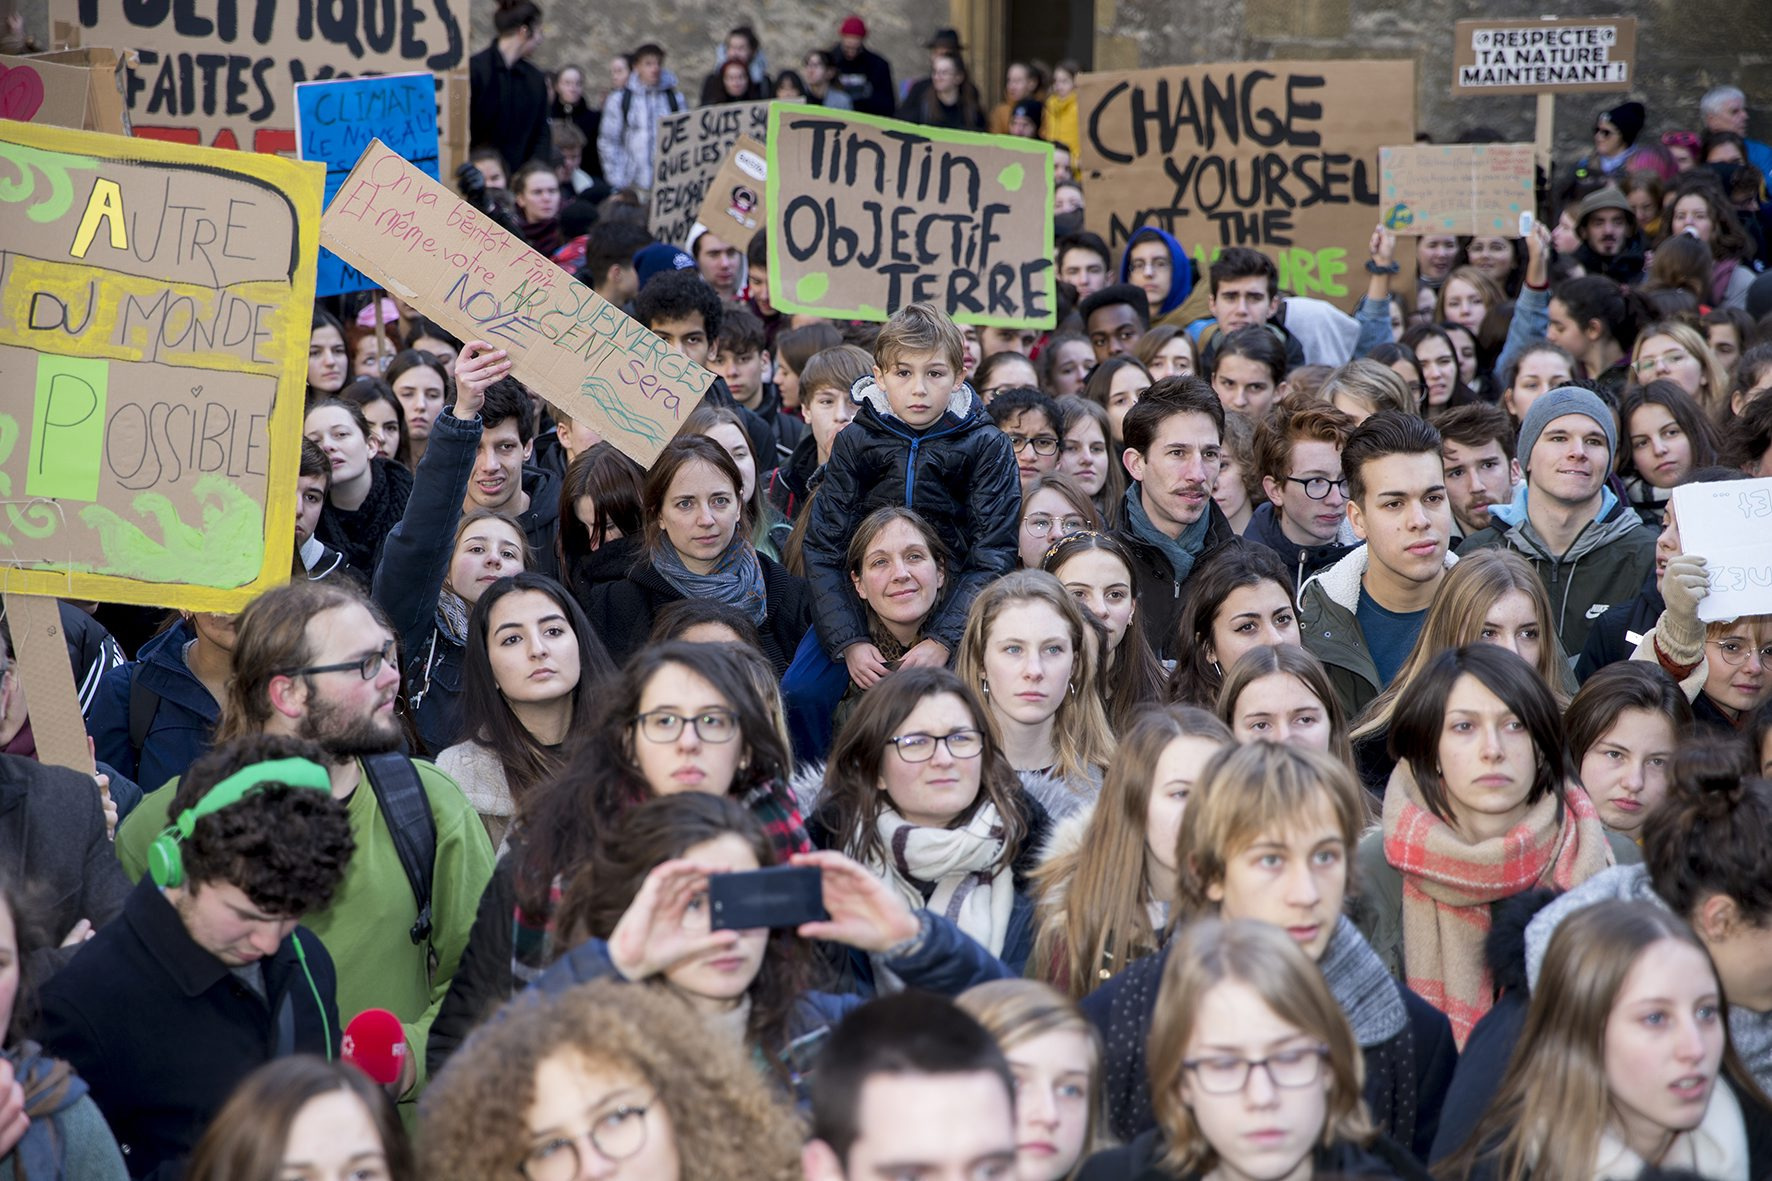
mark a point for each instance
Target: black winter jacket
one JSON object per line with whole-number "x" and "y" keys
{"x": 622, "y": 611}
{"x": 163, "y": 1032}
{"x": 1140, "y": 1161}
{"x": 1407, "y": 1076}
{"x": 359, "y": 534}
{"x": 1608, "y": 640}
{"x": 1158, "y": 590}
{"x": 410, "y": 578}
{"x": 959, "y": 474}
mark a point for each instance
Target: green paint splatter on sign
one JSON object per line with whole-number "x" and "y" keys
{"x": 812, "y": 288}
{"x": 225, "y": 550}
{"x": 1011, "y": 177}
{"x": 58, "y": 196}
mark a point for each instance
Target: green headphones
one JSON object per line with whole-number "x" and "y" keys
{"x": 165, "y": 862}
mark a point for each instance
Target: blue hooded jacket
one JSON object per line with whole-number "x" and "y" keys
{"x": 1181, "y": 284}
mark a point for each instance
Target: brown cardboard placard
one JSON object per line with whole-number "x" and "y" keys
{"x": 869, "y": 214}
{"x": 1281, "y": 156}
{"x": 691, "y": 147}
{"x": 155, "y": 308}
{"x": 36, "y": 91}
{"x": 107, "y": 80}
{"x": 223, "y": 75}
{"x": 736, "y": 204}
{"x": 1457, "y": 188}
{"x": 1574, "y": 55}
{"x": 457, "y": 266}
{"x": 42, "y": 654}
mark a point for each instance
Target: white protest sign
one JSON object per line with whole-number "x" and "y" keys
{"x": 1729, "y": 525}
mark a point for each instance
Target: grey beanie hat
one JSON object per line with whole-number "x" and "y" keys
{"x": 1567, "y": 399}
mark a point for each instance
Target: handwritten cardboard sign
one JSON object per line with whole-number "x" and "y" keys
{"x": 222, "y": 73}
{"x": 454, "y": 264}
{"x": 1281, "y": 156}
{"x": 1457, "y": 188}
{"x": 336, "y": 120}
{"x": 1570, "y": 56}
{"x": 692, "y": 145}
{"x": 737, "y": 205}
{"x": 869, "y": 214}
{"x": 1730, "y": 526}
{"x": 154, "y": 309}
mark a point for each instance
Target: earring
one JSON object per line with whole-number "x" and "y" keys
{"x": 985, "y": 688}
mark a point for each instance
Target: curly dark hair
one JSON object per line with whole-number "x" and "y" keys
{"x": 287, "y": 848}
{"x": 677, "y": 295}
{"x": 726, "y": 1124}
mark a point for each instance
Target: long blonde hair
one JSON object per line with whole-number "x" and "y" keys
{"x": 1463, "y": 601}
{"x": 1553, "y": 1105}
{"x": 1080, "y": 735}
{"x": 1017, "y": 1011}
{"x": 1094, "y": 914}
{"x": 1714, "y": 394}
{"x": 1266, "y": 960}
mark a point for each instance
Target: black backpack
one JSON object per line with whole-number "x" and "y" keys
{"x": 627, "y": 104}
{"x": 398, "y": 791}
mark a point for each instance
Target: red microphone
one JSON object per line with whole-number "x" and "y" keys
{"x": 375, "y": 1043}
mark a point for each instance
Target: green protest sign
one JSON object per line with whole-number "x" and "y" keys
{"x": 869, "y": 214}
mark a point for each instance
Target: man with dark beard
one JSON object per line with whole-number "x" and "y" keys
{"x": 316, "y": 660}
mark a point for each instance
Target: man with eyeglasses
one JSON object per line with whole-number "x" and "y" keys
{"x": 1589, "y": 547}
{"x": 1298, "y": 456}
{"x": 316, "y": 660}
{"x": 1155, "y": 262}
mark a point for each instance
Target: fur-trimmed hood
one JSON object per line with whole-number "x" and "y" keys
{"x": 867, "y": 392}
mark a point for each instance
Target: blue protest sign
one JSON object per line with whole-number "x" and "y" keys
{"x": 336, "y": 120}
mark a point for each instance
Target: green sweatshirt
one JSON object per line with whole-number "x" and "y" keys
{"x": 365, "y": 928}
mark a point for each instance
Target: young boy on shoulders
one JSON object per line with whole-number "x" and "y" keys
{"x": 922, "y": 439}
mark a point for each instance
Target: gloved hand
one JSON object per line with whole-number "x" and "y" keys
{"x": 471, "y": 183}
{"x": 1684, "y": 584}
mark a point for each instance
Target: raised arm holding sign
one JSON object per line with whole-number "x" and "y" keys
{"x": 421, "y": 242}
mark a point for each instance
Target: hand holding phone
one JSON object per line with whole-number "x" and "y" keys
{"x": 782, "y": 896}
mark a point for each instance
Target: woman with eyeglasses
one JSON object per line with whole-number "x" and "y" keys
{"x": 1031, "y": 422}
{"x": 1676, "y": 352}
{"x": 682, "y": 717}
{"x": 1053, "y": 506}
{"x": 1268, "y": 836}
{"x": 693, "y": 506}
{"x": 919, "y": 792}
{"x": 639, "y": 911}
{"x": 1255, "y": 1072}
{"x": 1031, "y": 654}
{"x": 604, "y": 1081}
{"x": 1725, "y": 666}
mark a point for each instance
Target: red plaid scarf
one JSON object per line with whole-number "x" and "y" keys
{"x": 1449, "y": 884}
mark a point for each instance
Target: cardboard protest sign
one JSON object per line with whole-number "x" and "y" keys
{"x": 1570, "y": 56}
{"x": 692, "y": 145}
{"x": 42, "y": 654}
{"x": 1730, "y": 526}
{"x": 736, "y": 205}
{"x": 335, "y": 121}
{"x": 1457, "y": 188}
{"x": 222, "y": 74}
{"x": 869, "y": 214}
{"x": 155, "y": 302}
{"x": 1280, "y": 156}
{"x": 33, "y": 91}
{"x": 421, "y": 242}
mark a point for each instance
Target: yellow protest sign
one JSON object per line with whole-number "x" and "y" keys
{"x": 155, "y": 302}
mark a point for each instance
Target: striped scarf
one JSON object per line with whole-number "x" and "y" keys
{"x": 1449, "y": 884}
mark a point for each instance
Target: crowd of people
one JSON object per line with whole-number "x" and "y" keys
{"x": 1228, "y": 735}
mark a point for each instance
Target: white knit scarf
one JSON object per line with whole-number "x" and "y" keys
{"x": 960, "y": 863}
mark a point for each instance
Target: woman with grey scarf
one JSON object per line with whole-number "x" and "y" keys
{"x": 695, "y": 549}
